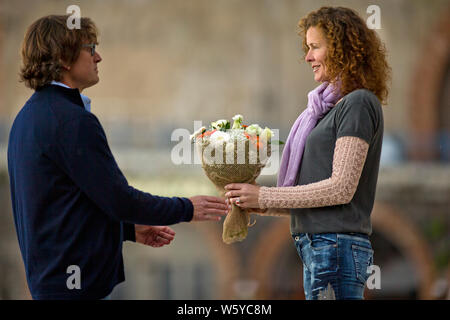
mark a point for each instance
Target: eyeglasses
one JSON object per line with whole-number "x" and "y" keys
{"x": 92, "y": 46}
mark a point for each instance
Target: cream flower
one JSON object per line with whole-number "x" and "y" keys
{"x": 219, "y": 137}
{"x": 196, "y": 133}
{"x": 229, "y": 148}
{"x": 253, "y": 129}
{"x": 219, "y": 124}
{"x": 237, "y": 124}
{"x": 266, "y": 134}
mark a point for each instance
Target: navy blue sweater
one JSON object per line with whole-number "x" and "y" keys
{"x": 72, "y": 205}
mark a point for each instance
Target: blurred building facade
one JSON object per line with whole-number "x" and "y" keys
{"x": 168, "y": 63}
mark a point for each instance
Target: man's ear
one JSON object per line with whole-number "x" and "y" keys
{"x": 65, "y": 65}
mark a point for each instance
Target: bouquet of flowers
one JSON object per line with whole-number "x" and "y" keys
{"x": 233, "y": 154}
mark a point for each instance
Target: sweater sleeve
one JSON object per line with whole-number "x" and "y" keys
{"x": 88, "y": 161}
{"x": 348, "y": 161}
{"x": 128, "y": 231}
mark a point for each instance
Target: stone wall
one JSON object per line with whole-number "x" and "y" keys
{"x": 167, "y": 63}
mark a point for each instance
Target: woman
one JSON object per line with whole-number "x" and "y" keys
{"x": 329, "y": 167}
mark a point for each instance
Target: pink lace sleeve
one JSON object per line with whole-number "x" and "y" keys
{"x": 348, "y": 161}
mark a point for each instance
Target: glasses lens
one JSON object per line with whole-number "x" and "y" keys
{"x": 92, "y": 46}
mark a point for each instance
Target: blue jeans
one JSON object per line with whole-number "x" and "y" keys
{"x": 334, "y": 264}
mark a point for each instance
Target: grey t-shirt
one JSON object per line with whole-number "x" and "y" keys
{"x": 358, "y": 114}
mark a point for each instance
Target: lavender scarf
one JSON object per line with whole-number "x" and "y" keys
{"x": 320, "y": 101}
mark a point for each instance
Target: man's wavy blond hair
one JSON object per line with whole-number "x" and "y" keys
{"x": 48, "y": 44}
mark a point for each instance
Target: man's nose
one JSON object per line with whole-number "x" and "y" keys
{"x": 97, "y": 57}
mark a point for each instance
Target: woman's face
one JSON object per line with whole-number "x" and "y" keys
{"x": 317, "y": 53}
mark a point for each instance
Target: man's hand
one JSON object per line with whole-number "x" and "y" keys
{"x": 154, "y": 236}
{"x": 209, "y": 208}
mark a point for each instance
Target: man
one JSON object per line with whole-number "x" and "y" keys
{"x": 72, "y": 205}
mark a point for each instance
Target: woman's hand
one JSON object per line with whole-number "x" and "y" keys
{"x": 243, "y": 195}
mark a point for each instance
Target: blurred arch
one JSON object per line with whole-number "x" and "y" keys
{"x": 395, "y": 226}
{"x": 426, "y": 88}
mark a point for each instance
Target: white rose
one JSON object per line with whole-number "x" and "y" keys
{"x": 238, "y": 117}
{"x": 253, "y": 129}
{"x": 219, "y": 137}
{"x": 196, "y": 133}
{"x": 237, "y": 124}
{"x": 229, "y": 148}
{"x": 219, "y": 124}
{"x": 266, "y": 134}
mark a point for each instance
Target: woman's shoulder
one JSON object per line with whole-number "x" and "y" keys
{"x": 359, "y": 102}
{"x": 362, "y": 96}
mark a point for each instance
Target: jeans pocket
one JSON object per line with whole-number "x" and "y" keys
{"x": 363, "y": 258}
{"x": 322, "y": 241}
{"x": 298, "y": 241}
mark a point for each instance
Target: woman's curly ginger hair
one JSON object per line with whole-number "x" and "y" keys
{"x": 355, "y": 53}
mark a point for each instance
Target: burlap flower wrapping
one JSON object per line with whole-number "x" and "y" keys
{"x": 239, "y": 160}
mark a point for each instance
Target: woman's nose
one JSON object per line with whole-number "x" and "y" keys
{"x": 309, "y": 57}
